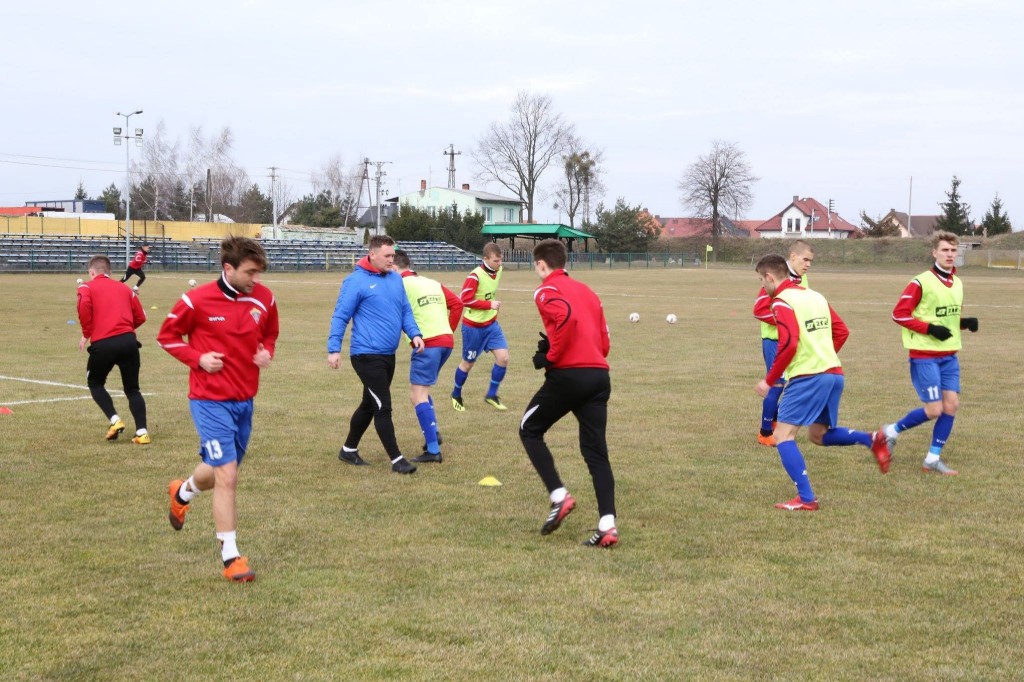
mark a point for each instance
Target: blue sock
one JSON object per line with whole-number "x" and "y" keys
{"x": 770, "y": 408}
{"x": 844, "y": 436}
{"x": 497, "y": 374}
{"x": 428, "y": 423}
{"x": 460, "y": 379}
{"x": 911, "y": 419}
{"x": 940, "y": 434}
{"x": 793, "y": 463}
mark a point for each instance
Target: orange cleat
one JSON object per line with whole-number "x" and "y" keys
{"x": 767, "y": 441}
{"x": 178, "y": 510}
{"x": 238, "y": 570}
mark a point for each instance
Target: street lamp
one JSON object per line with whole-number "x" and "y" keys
{"x": 118, "y": 136}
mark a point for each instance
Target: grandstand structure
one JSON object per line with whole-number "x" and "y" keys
{"x": 71, "y": 253}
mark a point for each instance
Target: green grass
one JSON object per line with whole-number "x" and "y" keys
{"x": 363, "y": 574}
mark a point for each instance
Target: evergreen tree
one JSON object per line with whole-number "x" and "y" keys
{"x": 955, "y": 216}
{"x": 254, "y": 207}
{"x": 111, "y": 198}
{"x": 995, "y": 221}
{"x": 80, "y": 193}
{"x": 625, "y": 228}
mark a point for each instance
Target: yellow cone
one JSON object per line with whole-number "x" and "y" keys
{"x": 154, "y": 307}
{"x": 489, "y": 481}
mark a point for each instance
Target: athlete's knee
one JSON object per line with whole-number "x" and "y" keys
{"x": 933, "y": 410}
{"x": 950, "y": 403}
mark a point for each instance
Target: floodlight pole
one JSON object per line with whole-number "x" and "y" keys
{"x": 128, "y": 184}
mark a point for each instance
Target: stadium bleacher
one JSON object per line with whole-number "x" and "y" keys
{"x": 71, "y": 253}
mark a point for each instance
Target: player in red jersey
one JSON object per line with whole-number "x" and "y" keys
{"x": 136, "y": 265}
{"x": 109, "y": 314}
{"x": 232, "y": 328}
{"x": 574, "y": 356}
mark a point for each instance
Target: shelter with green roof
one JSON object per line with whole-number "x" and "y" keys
{"x": 537, "y": 232}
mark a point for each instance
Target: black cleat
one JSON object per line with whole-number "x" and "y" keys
{"x": 352, "y": 458}
{"x": 403, "y": 466}
{"x": 429, "y": 457}
{"x": 559, "y": 510}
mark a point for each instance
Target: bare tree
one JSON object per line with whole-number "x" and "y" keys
{"x": 580, "y": 182}
{"x": 716, "y": 183}
{"x": 516, "y": 153}
{"x": 341, "y": 186}
{"x": 213, "y": 156}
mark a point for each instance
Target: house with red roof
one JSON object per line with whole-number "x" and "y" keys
{"x": 910, "y": 225}
{"x": 701, "y": 227}
{"x": 807, "y": 218}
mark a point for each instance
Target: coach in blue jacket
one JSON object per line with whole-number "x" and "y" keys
{"x": 373, "y": 297}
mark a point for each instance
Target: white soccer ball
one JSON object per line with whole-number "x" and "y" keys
{"x": 191, "y": 282}
{"x": 79, "y": 280}
{"x": 671, "y": 319}
{"x": 634, "y": 317}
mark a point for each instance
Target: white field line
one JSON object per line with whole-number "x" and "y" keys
{"x": 113, "y": 394}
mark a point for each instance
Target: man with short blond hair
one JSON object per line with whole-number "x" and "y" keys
{"x": 929, "y": 310}
{"x": 801, "y": 254}
{"x": 481, "y": 332}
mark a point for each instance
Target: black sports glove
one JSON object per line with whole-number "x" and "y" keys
{"x": 939, "y": 332}
{"x": 540, "y": 358}
{"x": 543, "y": 346}
{"x": 969, "y": 323}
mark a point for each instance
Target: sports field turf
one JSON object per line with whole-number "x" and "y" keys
{"x": 365, "y": 574}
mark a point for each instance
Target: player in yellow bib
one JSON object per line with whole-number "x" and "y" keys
{"x": 480, "y": 329}
{"x": 810, "y": 336}
{"x": 929, "y": 312}
{"x": 436, "y": 311}
{"x": 799, "y": 262}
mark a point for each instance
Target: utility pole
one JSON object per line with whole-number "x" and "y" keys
{"x": 273, "y": 197}
{"x": 451, "y": 154}
{"x": 209, "y": 195}
{"x": 118, "y": 136}
{"x": 377, "y": 178}
{"x": 910, "y": 201}
{"x": 358, "y": 195}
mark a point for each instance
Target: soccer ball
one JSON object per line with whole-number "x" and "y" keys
{"x": 191, "y": 282}
{"x": 79, "y": 280}
{"x": 671, "y": 319}
{"x": 634, "y": 317}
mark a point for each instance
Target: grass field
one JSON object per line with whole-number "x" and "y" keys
{"x": 365, "y": 574}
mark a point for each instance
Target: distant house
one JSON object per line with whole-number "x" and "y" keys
{"x": 701, "y": 227}
{"x": 494, "y": 207}
{"x": 910, "y": 226}
{"x": 807, "y": 218}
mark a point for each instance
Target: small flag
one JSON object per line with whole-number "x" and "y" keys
{"x": 489, "y": 481}
{"x": 708, "y": 248}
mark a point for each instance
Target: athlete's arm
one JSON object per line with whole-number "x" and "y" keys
{"x": 903, "y": 313}
{"x": 789, "y": 336}
{"x": 840, "y": 332}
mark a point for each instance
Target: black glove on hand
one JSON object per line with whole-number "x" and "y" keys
{"x": 939, "y": 332}
{"x": 540, "y": 358}
{"x": 969, "y": 323}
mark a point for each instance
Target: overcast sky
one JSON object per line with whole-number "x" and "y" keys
{"x": 841, "y": 100}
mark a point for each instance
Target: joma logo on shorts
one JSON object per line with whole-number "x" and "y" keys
{"x": 947, "y": 310}
{"x": 816, "y": 323}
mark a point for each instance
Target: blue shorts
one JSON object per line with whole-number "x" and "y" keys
{"x": 477, "y": 340}
{"x": 424, "y": 366}
{"x": 769, "y": 347}
{"x": 812, "y": 399}
{"x": 932, "y": 376}
{"x": 224, "y": 428}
